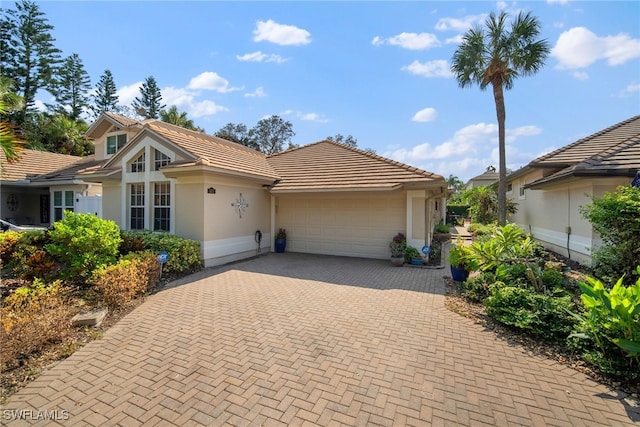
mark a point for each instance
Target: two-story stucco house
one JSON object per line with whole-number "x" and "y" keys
{"x": 330, "y": 198}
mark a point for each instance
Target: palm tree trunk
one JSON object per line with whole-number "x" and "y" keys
{"x": 498, "y": 96}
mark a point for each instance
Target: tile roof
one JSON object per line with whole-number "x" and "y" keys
{"x": 592, "y": 145}
{"x": 213, "y": 151}
{"x": 32, "y": 163}
{"x": 122, "y": 120}
{"x": 614, "y": 151}
{"x": 68, "y": 173}
{"x": 330, "y": 166}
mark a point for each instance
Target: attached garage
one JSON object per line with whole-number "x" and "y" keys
{"x": 336, "y": 200}
{"x": 346, "y": 224}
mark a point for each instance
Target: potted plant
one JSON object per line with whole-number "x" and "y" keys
{"x": 441, "y": 232}
{"x": 281, "y": 240}
{"x": 459, "y": 260}
{"x": 397, "y": 246}
{"x": 412, "y": 255}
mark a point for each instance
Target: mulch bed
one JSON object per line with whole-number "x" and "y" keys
{"x": 457, "y": 303}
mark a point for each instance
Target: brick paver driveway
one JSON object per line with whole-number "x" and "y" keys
{"x": 289, "y": 339}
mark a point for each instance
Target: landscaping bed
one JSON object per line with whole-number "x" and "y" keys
{"x": 456, "y": 302}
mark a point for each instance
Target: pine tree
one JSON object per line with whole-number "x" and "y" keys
{"x": 72, "y": 87}
{"x": 148, "y": 104}
{"x": 29, "y": 56}
{"x": 106, "y": 96}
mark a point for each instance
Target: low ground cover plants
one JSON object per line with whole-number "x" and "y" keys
{"x": 83, "y": 262}
{"x": 525, "y": 288}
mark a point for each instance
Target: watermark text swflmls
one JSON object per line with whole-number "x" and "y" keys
{"x": 35, "y": 414}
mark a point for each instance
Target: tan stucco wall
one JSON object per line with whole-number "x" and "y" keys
{"x": 553, "y": 215}
{"x": 112, "y": 202}
{"x": 352, "y": 224}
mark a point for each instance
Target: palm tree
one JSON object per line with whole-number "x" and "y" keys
{"x": 496, "y": 56}
{"x": 9, "y": 101}
{"x": 173, "y": 116}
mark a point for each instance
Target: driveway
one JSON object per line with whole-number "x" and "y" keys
{"x": 292, "y": 339}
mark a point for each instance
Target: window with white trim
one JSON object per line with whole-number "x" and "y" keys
{"x": 160, "y": 160}
{"x": 161, "y": 206}
{"x": 116, "y": 142}
{"x": 62, "y": 201}
{"x": 136, "y": 206}
{"x": 138, "y": 165}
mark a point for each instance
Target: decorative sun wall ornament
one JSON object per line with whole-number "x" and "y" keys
{"x": 240, "y": 205}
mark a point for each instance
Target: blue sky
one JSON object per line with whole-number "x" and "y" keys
{"x": 376, "y": 70}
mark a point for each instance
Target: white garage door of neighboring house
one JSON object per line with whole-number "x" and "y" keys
{"x": 358, "y": 226}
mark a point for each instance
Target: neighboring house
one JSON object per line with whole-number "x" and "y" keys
{"x": 489, "y": 177}
{"x": 331, "y": 199}
{"x": 551, "y": 189}
{"x": 39, "y": 186}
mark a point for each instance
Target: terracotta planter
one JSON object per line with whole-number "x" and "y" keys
{"x": 397, "y": 261}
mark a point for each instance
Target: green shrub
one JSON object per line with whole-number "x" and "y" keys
{"x": 479, "y": 230}
{"x": 553, "y": 279}
{"x": 508, "y": 245}
{"x": 32, "y": 317}
{"x": 476, "y": 288}
{"x": 460, "y": 210}
{"x": 615, "y": 217}
{"x": 539, "y": 314}
{"x": 184, "y": 254}
{"x": 82, "y": 243}
{"x": 23, "y": 253}
{"x": 131, "y": 242}
{"x": 8, "y": 242}
{"x": 411, "y": 252}
{"x": 119, "y": 284}
{"x": 512, "y": 274}
{"x": 612, "y": 322}
{"x": 441, "y": 227}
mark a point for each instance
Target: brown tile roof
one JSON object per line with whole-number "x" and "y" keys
{"x": 32, "y": 163}
{"x": 213, "y": 151}
{"x": 330, "y": 166}
{"x": 592, "y": 145}
{"x": 84, "y": 165}
{"x": 122, "y": 120}
{"x": 614, "y": 151}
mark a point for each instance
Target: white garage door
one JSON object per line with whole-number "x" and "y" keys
{"x": 345, "y": 225}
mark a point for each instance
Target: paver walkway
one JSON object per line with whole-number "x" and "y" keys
{"x": 291, "y": 339}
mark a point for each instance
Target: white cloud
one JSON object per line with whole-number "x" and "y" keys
{"x": 261, "y": 57}
{"x": 581, "y": 75}
{"x": 425, "y": 115}
{"x": 557, "y": 1}
{"x": 185, "y": 100}
{"x": 501, "y": 5}
{"x": 463, "y": 152}
{"x": 209, "y": 80}
{"x": 454, "y": 40}
{"x": 312, "y": 117}
{"x": 40, "y": 105}
{"x": 436, "y": 68}
{"x": 287, "y": 35}
{"x": 463, "y": 24}
{"x": 411, "y": 41}
{"x": 205, "y": 108}
{"x": 579, "y": 48}
{"x": 258, "y": 93}
{"x": 126, "y": 94}
{"x": 630, "y": 89}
